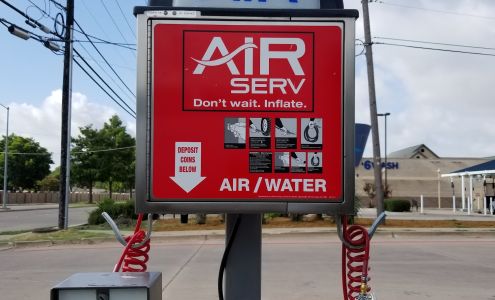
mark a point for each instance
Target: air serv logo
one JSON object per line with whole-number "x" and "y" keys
{"x": 248, "y": 71}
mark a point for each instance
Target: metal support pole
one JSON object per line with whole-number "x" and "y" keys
{"x": 386, "y": 167}
{"x": 485, "y": 198}
{"x": 438, "y": 189}
{"x": 385, "y": 115}
{"x": 491, "y": 205}
{"x": 63, "y": 212}
{"x": 243, "y": 269}
{"x": 6, "y": 164}
{"x": 470, "y": 203}
{"x": 463, "y": 193}
{"x": 422, "y": 204}
{"x": 453, "y": 194}
{"x": 373, "y": 111}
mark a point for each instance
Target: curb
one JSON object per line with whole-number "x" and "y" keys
{"x": 51, "y": 243}
{"x": 6, "y": 246}
{"x": 220, "y": 235}
{"x": 34, "y": 208}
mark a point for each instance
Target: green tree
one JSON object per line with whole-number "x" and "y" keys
{"x": 28, "y": 162}
{"x": 51, "y": 182}
{"x": 117, "y": 165}
{"x": 85, "y": 161}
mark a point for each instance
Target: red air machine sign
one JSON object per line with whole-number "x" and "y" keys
{"x": 247, "y": 111}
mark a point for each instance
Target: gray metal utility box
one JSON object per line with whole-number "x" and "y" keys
{"x": 109, "y": 286}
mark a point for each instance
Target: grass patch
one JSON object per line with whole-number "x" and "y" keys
{"x": 214, "y": 222}
{"x": 61, "y": 235}
{"x": 82, "y": 204}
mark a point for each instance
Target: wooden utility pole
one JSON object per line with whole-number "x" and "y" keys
{"x": 63, "y": 211}
{"x": 377, "y": 161}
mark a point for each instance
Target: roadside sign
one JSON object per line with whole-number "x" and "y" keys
{"x": 252, "y": 114}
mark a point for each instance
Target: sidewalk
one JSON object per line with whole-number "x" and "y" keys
{"x": 26, "y": 207}
{"x": 430, "y": 214}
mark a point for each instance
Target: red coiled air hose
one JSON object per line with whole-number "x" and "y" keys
{"x": 355, "y": 260}
{"x": 135, "y": 257}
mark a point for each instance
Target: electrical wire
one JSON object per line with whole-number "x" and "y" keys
{"x": 434, "y": 10}
{"x": 113, "y": 20}
{"x": 104, "y": 59}
{"x": 225, "y": 256}
{"x": 104, "y": 82}
{"x": 34, "y": 36}
{"x": 103, "y": 150}
{"x": 42, "y": 39}
{"x": 28, "y": 18}
{"x": 434, "y": 49}
{"x": 125, "y": 19}
{"x": 27, "y": 153}
{"x": 60, "y": 6}
{"x": 434, "y": 43}
{"x": 105, "y": 91}
{"x": 104, "y": 71}
{"x": 98, "y": 40}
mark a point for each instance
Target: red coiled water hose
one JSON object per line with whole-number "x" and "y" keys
{"x": 355, "y": 260}
{"x": 134, "y": 258}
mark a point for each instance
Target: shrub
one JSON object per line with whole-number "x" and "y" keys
{"x": 397, "y": 205}
{"x": 114, "y": 209}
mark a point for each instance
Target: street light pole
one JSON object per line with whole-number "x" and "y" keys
{"x": 386, "y": 133}
{"x": 6, "y": 162}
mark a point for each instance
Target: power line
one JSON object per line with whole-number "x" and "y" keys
{"x": 98, "y": 40}
{"x": 72, "y": 152}
{"x": 127, "y": 68}
{"x": 105, "y": 91}
{"x": 27, "y": 153}
{"x": 42, "y": 39}
{"x": 30, "y": 21}
{"x": 104, "y": 82}
{"x": 434, "y": 43}
{"x": 435, "y": 10}
{"x": 104, "y": 59}
{"x": 113, "y": 20}
{"x": 125, "y": 19}
{"x": 103, "y": 150}
{"x": 60, "y": 6}
{"x": 101, "y": 68}
{"x": 126, "y": 46}
{"x": 434, "y": 49}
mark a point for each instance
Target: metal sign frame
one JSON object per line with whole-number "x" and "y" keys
{"x": 146, "y": 17}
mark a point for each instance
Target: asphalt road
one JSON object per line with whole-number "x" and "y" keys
{"x": 295, "y": 267}
{"x": 30, "y": 219}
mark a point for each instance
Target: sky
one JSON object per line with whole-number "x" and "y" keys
{"x": 438, "y": 98}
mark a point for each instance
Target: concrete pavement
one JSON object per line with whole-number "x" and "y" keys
{"x": 29, "y": 217}
{"x": 294, "y": 267}
{"x": 298, "y": 263}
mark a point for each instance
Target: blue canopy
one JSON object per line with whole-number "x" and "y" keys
{"x": 486, "y": 166}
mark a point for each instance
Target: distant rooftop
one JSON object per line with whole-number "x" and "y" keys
{"x": 419, "y": 152}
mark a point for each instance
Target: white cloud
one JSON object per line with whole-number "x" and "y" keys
{"x": 444, "y": 100}
{"x": 43, "y": 123}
